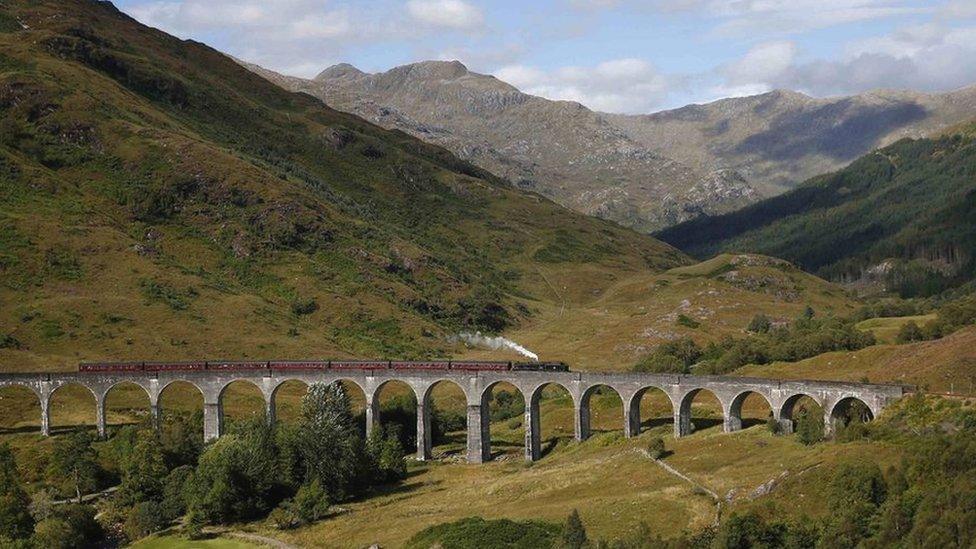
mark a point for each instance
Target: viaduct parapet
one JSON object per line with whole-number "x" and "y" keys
{"x": 781, "y": 396}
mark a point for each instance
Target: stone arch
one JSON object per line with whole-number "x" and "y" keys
{"x": 533, "y": 421}
{"x": 429, "y": 428}
{"x": 135, "y": 390}
{"x": 73, "y": 394}
{"x": 245, "y": 395}
{"x": 586, "y": 418}
{"x": 684, "y": 424}
{"x": 170, "y": 401}
{"x": 479, "y": 425}
{"x": 788, "y": 409}
{"x": 20, "y": 401}
{"x": 401, "y": 415}
{"x": 847, "y": 409}
{"x": 654, "y": 393}
{"x": 282, "y": 389}
{"x": 733, "y": 416}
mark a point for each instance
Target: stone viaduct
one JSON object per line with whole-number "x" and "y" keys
{"x": 476, "y": 385}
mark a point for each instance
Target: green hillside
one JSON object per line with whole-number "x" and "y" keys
{"x": 913, "y": 203}
{"x": 159, "y": 200}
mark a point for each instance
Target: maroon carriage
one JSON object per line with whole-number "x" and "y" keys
{"x": 189, "y": 366}
{"x": 298, "y": 364}
{"x": 110, "y": 367}
{"x": 420, "y": 365}
{"x": 237, "y": 365}
{"x": 359, "y": 364}
{"x": 479, "y": 365}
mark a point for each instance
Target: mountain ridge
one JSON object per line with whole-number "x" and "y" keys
{"x": 644, "y": 171}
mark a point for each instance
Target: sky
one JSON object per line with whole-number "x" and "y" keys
{"x": 624, "y": 56}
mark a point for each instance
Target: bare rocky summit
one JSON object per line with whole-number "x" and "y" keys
{"x": 560, "y": 149}
{"x": 645, "y": 171}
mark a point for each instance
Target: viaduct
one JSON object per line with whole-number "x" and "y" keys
{"x": 833, "y": 397}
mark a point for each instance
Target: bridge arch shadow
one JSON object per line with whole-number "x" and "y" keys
{"x": 72, "y": 406}
{"x": 395, "y": 412}
{"x": 748, "y": 409}
{"x": 607, "y": 415}
{"x": 654, "y": 404}
{"x": 126, "y": 403}
{"x": 504, "y": 405}
{"x": 445, "y": 404}
{"x": 796, "y": 406}
{"x": 850, "y": 410}
{"x": 700, "y": 409}
{"x": 552, "y": 412}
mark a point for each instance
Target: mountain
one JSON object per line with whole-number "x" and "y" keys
{"x": 560, "y": 149}
{"x": 779, "y": 139}
{"x": 901, "y": 218}
{"x": 644, "y": 171}
{"x": 159, "y": 200}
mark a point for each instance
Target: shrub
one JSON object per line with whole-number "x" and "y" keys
{"x": 760, "y": 324}
{"x": 311, "y": 502}
{"x": 687, "y": 321}
{"x": 809, "y": 427}
{"x": 173, "y": 503}
{"x": 144, "y": 518}
{"x": 283, "y": 517}
{"x": 910, "y": 332}
{"x": 306, "y": 306}
{"x": 655, "y": 448}
{"x": 772, "y": 425}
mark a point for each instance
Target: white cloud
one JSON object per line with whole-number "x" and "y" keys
{"x": 454, "y": 14}
{"x": 621, "y": 85}
{"x": 777, "y": 17}
{"x": 926, "y": 57}
{"x": 761, "y": 63}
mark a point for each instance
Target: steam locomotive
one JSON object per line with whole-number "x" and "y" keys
{"x": 284, "y": 365}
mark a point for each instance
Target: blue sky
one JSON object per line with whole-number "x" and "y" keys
{"x": 612, "y": 55}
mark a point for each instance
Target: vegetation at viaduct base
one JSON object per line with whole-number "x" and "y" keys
{"x": 295, "y": 471}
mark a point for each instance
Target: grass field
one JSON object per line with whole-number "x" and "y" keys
{"x": 944, "y": 365}
{"x": 885, "y": 330}
{"x": 176, "y": 542}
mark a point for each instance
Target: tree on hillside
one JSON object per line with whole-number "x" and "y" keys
{"x": 73, "y": 463}
{"x": 809, "y": 427}
{"x": 144, "y": 471}
{"x": 574, "y": 534}
{"x": 326, "y": 447}
{"x": 15, "y": 521}
{"x": 910, "y": 332}
{"x": 760, "y": 324}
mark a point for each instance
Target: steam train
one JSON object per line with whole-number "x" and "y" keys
{"x": 285, "y": 365}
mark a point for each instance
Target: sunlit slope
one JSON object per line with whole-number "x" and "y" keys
{"x": 159, "y": 201}
{"x": 612, "y": 329}
{"x": 942, "y": 365}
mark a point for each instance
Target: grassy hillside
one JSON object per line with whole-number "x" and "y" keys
{"x": 902, "y": 216}
{"x": 158, "y": 200}
{"x": 942, "y": 365}
{"x": 612, "y": 329}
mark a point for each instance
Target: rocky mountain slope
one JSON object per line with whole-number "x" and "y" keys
{"x": 779, "y": 139}
{"x": 901, "y": 218}
{"x": 647, "y": 171}
{"x": 560, "y": 149}
{"x": 159, "y": 200}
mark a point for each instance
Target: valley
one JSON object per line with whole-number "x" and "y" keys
{"x": 162, "y": 201}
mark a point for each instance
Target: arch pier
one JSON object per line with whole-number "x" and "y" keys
{"x": 781, "y": 396}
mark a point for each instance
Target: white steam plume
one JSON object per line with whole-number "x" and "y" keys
{"x": 494, "y": 343}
